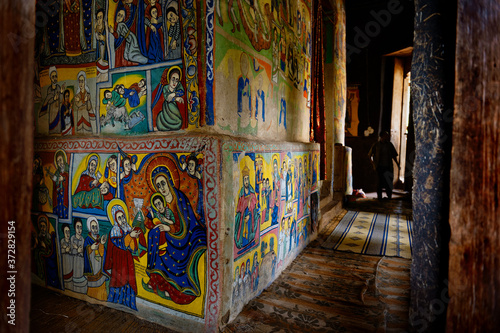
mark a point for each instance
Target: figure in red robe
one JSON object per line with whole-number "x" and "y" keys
{"x": 119, "y": 263}
{"x": 71, "y": 12}
{"x": 88, "y": 193}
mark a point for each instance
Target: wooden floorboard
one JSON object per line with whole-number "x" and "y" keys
{"x": 54, "y": 312}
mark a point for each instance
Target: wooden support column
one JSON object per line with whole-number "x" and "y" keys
{"x": 475, "y": 175}
{"x": 16, "y": 160}
{"x": 432, "y": 103}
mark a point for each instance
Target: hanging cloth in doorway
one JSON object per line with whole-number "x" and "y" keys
{"x": 318, "y": 124}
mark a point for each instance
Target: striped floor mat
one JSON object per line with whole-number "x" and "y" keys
{"x": 372, "y": 233}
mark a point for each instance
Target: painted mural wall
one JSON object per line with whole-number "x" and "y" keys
{"x": 135, "y": 224}
{"x": 276, "y": 205}
{"x": 262, "y": 68}
{"x": 114, "y": 222}
{"x": 129, "y": 218}
{"x": 117, "y": 67}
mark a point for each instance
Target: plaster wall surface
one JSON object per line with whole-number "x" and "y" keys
{"x": 158, "y": 125}
{"x": 116, "y": 249}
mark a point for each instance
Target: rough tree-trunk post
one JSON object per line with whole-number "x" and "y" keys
{"x": 16, "y": 159}
{"x": 475, "y": 174}
{"x": 432, "y": 116}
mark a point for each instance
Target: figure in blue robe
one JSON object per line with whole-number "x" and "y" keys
{"x": 53, "y": 17}
{"x": 293, "y": 236}
{"x": 174, "y": 250}
{"x": 134, "y": 21}
{"x": 154, "y": 40}
{"x": 243, "y": 90}
{"x": 283, "y": 111}
{"x": 132, "y": 96}
{"x": 260, "y": 100}
{"x": 87, "y": 23}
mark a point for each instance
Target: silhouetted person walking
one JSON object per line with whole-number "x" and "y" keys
{"x": 381, "y": 155}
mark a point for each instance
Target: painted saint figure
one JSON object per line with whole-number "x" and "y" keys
{"x": 85, "y": 116}
{"x": 101, "y": 39}
{"x": 247, "y": 214}
{"x": 281, "y": 241}
{"x": 87, "y": 193}
{"x": 60, "y": 179}
{"x": 79, "y": 281}
{"x": 67, "y": 121}
{"x": 46, "y": 254}
{"x": 110, "y": 174}
{"x": 94, "y": 255}
{"x": 67, "y": 258}
{"x": 259, "y": 174}
{"x": 52, "y": 102}
{"x": 289, "y": 188}
{"x": 244, "y": 92}
{"x": 131, "y": 51}
{"x": 276, "y": 193}
{"x": 266, "y": 194}
{"x": 161, "y": 213}
{"x": 119, "y": 263}
{"x": 71, "y": 14}
{"x": 194, "y": 172}
{"x": 260, "y": 101}
{"x": 154, "y": 37}
{"x": 170, "y": 117}
{"x": 236, "y": 285}
{"x": 283, "y": 108}
{"x": 134, "y": 93}
{"x": 126, "y": 173}
{"x": 176, "y": 242}
{"x": 255, "y": 272}
{"x": 115, "y": 107}
{"x": 174, "y": 34}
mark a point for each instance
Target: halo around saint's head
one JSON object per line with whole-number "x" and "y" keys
{"x": 60, "y": 152}
{"x": 162, "y": 165}
{"x": 114, "y": 207}
{"x": 171, "y": 69}
{"x": 93, "y": 156}
{"x": 90, "y": 220}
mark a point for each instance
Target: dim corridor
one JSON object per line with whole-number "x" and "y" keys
{"x": 321, "y": 291}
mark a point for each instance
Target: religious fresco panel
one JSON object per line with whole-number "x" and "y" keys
{"x": 263, "y": 55}
{"x": 276, "y": 210}
{"x": 51, "y": 179}
{"x": 66, "y": 106}
{"x": 45, "y": 251}
{"x": 123, "y": 104}
{"x": 125, "y": 226}
{"x": 108, "y": 41}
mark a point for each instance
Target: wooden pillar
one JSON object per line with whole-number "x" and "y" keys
{"x": 475, "y": 175}
{"x": 16, "y": 160}
{"x": 339, "y": 98}
{"x": 340, "y": 80}
{"x": 431, "y": 102}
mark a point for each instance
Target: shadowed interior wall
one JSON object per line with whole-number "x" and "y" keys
{"x": 153, "y": 179}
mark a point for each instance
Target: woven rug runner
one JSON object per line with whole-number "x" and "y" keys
{"x": 372, "y": 233}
